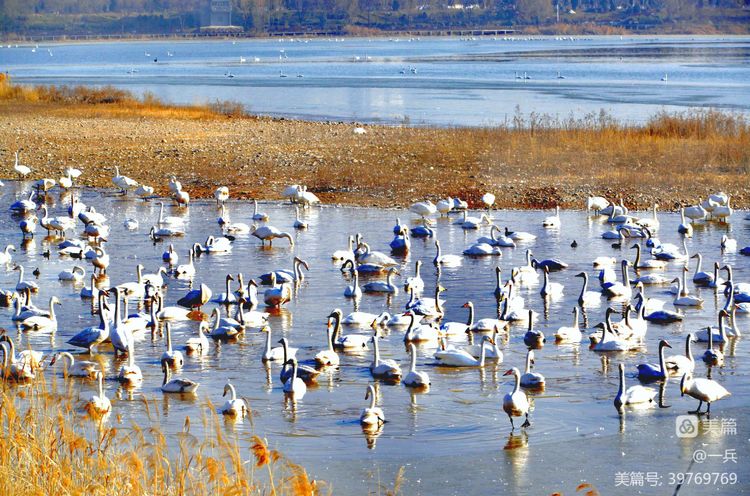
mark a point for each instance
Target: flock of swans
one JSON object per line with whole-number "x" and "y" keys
{"x": 80, "y": 233}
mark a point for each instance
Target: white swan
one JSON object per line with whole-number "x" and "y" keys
{"x": 172, "y": 357}
{"x": 596, "y": 203}
{"x": 353, "y": 290}
{"x": 21, "y": 170}
{"x": 348, "y": 342}
{"x": 728, "y": 244}
{"x": 233, "y": 407}
{"x": 124, "y": 183}
{"x": 43, "y": 322}
{"x": 423, "y": 208}
{"x": 275, "y": 354}
{"x": 371, "y": 416}
{"x": 553, "y": 221}
{"x": 198, "y": 344}
{"x": 75, "y": 368}
{"x": 130, "y": 373}
{"x": 445, "y": 260}
{"x": 375, "y": 257}
{"x": 653, "y": 372}
{"x": 531, "y": 380}
{"x": 415, "y": 282}
{"x": 635, "y": 396}
{"x": 588, "y": 299}
{"x": 519, "y": 235}
{"x": 22, "y": 285}
{"x": 639, "y": 264}
{"x": 221, "y": 194}
{"x": 383, "y": 368}
{"x": 269, "y": 233}
{"x": 516, "y": 403}
{"x": 23, "y": 206}
{"x": 186, "y": 271}
{"x": 414, "y": 378}
{"x": 383, "y": 287}
{"x": 552, "y": 289}
{"x": 681, "y": 364}
{"x": 178, "y": 384}
{"x": 428, "y": 307}
{"x": 703, "y": 390}
{"x": 684, "y": 299}
{"x": 328, "y": 357}
{"x": 93, "y": 336}
{"x": 472, "y": 222}
{"x": 76, "y": 274}
{"x": 99, "y": 403}
{"x": 260, "y": 216}
{"x": 453, "y": 357}
{"x": 294, "y": 386}
{"x": 685, "y": 226}
{"x": 298, "y": 223}
{"x": 700, "y": 277}
{"x": 277, "y": 294}
{"x": 570, "y": 334}
{"x": 620, "y": 289}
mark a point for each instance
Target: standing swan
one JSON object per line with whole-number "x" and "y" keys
{"x": 515, "y": 403}
{"x": 702, "y": 390}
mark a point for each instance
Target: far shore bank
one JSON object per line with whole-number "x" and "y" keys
{"x": 672, "y": 160}
{"x": 83, "y": 39}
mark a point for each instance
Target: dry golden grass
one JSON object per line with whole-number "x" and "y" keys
{"x": 531, "y": 161}
{"x": 48, "y": 445}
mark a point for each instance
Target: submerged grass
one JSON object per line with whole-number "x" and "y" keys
{"x": 528, "y": 160}
{"x": 49, "y": 445}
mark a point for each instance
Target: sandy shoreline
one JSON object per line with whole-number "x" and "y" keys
{"x": 386, "y": 167}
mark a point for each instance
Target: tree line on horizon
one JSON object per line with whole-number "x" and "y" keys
{"x": 267, "y": 16}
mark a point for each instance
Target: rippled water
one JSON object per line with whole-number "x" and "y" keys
{"x": 456, "y": 82}
{"x": 454, "y": 438}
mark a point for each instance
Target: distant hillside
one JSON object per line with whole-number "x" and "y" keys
{"x": 19, "y": 18}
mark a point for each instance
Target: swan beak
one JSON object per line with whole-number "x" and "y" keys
{"x": 465, "y": 305}
{"x": 508, "y": 372}
{"x": 667, "y": 344}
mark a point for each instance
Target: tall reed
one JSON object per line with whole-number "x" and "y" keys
{"x": 50, "y": 445}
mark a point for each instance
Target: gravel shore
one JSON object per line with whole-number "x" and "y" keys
{"x": 386, "y": 166}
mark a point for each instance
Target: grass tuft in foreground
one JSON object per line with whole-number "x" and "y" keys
{"x": 49, "y": 445}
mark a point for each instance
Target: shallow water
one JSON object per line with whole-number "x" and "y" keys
{"x": 457, "y": 82}
{"x": 454, "y": 438}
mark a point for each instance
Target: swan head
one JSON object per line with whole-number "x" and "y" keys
{"x": 512, "y": 371}
{"x": 227, "y": 389}
{"x": 581, "y": 274}
{"x": 685, "y": 377}
{"x": 664, "y": 344}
